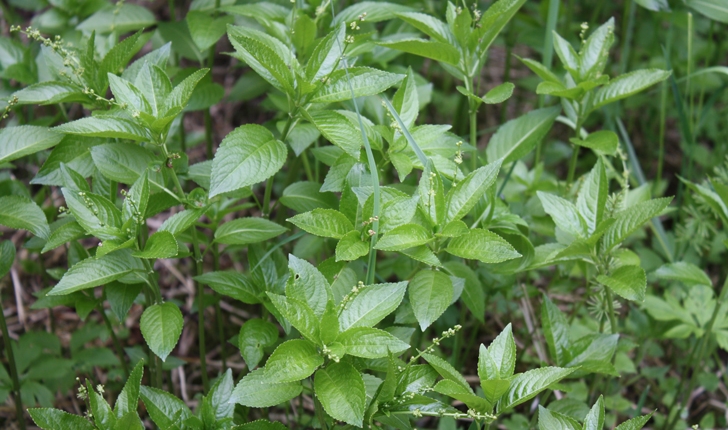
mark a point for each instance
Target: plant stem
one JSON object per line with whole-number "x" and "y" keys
{"x": 574, "y": 153}
{"x": 13, "y": 371}
{"x": 218, "y": 311}
{"x": 610, "y": 309}
{"x": 114, "y": 339}
{"x": 266, "y": 197}
{"x": 200, "y": 311}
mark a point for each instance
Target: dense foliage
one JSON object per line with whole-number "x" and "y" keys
{"x": 223, "y": 214}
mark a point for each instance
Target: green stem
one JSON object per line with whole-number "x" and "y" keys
{"x": 610, "y": 309}
{"x": 218, "y": 311}
{"x": 266, "y": 197}
{"x": 320, "y": 415}
{"x": 200, "y": 311}
{"x": 114, "y": 339}
{"x": 13, "y": 371}
{"x": 574, "y": 153}
{"x": 208, "y": 133}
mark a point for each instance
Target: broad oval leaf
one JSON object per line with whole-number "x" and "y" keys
{"x": 16, "y": 142}
{"x": 161, "y": 244}
{"x": 232, "y": 284}
{"x": 482, "y": 245}
{"x": 255, "y": 390}
{"x": 243, "y": 231}
{"x": 23, "y": 214}
{"x": 255, "y": 334}
{"x": 161, "y": 326}
{"x": 367, "y": 342}
{"x": 323, "y": 222}
{"x": 430, "y": 293}
{"x": 248, "y": 155}
{"x": 526, "y": 386}
{"x": 629, "y": 282}
{"x": 93, "y": 272}
{"x": 340, "y": 388}
{"x": 519, "y": 136}
{"x": 628, "y": 84}
{"x": 465, "y": 194}
{"x": 372, "y": 305}
{"x": 292, "y": 361}
{"x": 403, "y": 237}
{"x": 363, "y": 81}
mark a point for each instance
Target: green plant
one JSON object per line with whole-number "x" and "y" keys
{"x": 336, "y": 237}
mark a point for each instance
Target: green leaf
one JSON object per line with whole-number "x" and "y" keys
{"x": 595, "y": 418}
{"x": 339, "y": 128}
{"x": 556, "y": 331}
{"x": 432, "y": 194}
{"x": 716, "y": 10}
{"x": 687, "y": 273}
{"x": 122, "y": 162}
{"x": 255, "y": 390}
{"x": 526, "y": 386}
{"x": 219, "y": 397}
{"x": 548, "y": 420}
{"x": 256, "y": 334}
{"x": 634, "y": 423}
{"x": 595, "y": 51}
{"x": 260, "y": 425}
{"x": 564, "y": 213}
{"x": 482, "y": 245}
{"x": 446, "y": 370}
{"x": 206, "y": 30}
{"x": 351, "y": 247}
{"x": 119, "y": 19}
{"x": 120, "y": 54}
{"x": 129, "y": 95}
{"x": 473, "y": 293}
{"x": 7, "y": 257}
{"x": 365, "y": 81}
{"x": 136, "y": 200}
{"x": 308, "y": 285}
{"x": 292, "y": 361}
{"x": 323, "y": 222}
{"x": 232, "y": 284}
{"x": 340, "y": 388}
{"x": 369, "y": 342}
{"x": 568, "y": 56}
{"x": 50, "y": 93}
{"x": 128, "y": 400}
{"x": 593, "y": 354}
{"x": 17, "y": 142}
{"x": 166, "y": 410}
{"x": 542, "y": 71}
{"x": 265, "y": 54}
{"x": 62, "y": 231}
{"x": 178, "y": 98}
{"x": 406, "y": 100}
{"x": 243, "y": 231}
{"x": 403, "y": 237}
{"x": 430, "y": 293}
{"x": 372, "y": 305}
{"x": 429, "y": 25}
{"x": 498, "y": 361}
{"x": 74, "y": 152}
{"x": 161, "y": 326}
{"x": 248, "y": 155}
{"x": 121, "y": 297}
{"x": 655, "y": 5}
{"x": 628, "y": 84}
{"x": 181, "y": 221}
{"x": 54, "y": 419}
{"x": 21, "y": 213}
{"x": 458, "y": 392}
{"x": 463, "y": 197}
{"x": 517, "y": 137}
{"x": 299, "y": 314}
{"x": 93, "y": 272}
{"x": 592, "y": 197}
{"x": 103, "y": 416}
{"x": 493, "y": 21}
{"x": 602, "y": 142}
{"x": 105, "y": 126}
{"x": 376, "y": 11}
{"x": 95, "y": 213}
{"x": 499, "y": 94}
{"x": 306, "y": 196}
{"x": 629, "y": 282}
{"x": 630, "y": 219}
{"x": 326, "y": 54}
{"x": 437, "y": 51}
{"x": 161, "y": 244}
